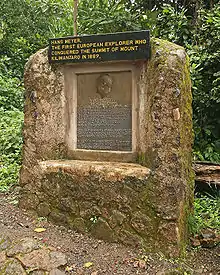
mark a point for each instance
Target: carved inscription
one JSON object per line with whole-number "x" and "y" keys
{"x": 104, "y": 111}
{"x": 102, "y": 128}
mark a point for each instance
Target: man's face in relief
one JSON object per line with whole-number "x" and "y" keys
{"x": 104, "y": 85}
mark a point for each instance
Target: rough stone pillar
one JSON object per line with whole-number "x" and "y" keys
{"x": 146, "y": 202}
{"x": 166, "y": 141}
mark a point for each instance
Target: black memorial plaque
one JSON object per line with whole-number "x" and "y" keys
{"x": 101, "y": 128}
{"x": 99, "y": 48}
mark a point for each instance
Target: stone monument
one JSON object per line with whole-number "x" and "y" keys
{"x": 107, "y": 139}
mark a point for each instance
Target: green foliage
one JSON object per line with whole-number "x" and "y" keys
{"x": 201, "y": 39}
{"x": 191, "y": 5}
{"x": 205, "y": 56}
{"x": 11, "y": 118}
{"x": 206, "y": 214}
{"x": 174, "y": 25}
{"x": 11, "y": 93}
{"x": 10, "y": 146}
{"x": 26, "y": 28}
{"x": 104, "y": 16}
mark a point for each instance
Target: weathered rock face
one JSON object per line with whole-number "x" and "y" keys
{"x": 168, "y": 137}
{"x": 146, "y": 202}
{"x": 21, "y": 256}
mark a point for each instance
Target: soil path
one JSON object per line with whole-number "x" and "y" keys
{"x": 105, "y": 258}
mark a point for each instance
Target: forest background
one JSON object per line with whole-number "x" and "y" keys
{"x": 26, "y": 26}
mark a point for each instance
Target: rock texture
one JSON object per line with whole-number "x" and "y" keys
{"x": 145, "y": 203}
{"x": 166, "y": 145}
{"x": 26, "y": 255}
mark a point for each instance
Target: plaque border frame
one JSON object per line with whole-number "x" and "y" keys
{"x": 71, "y": 136}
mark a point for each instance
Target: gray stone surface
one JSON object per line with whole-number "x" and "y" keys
{"x": 23, "y": 246}
{"x": 43, "y": 259}
{"x": 57, "y": 259}
{"x": 12, "y": 267}
{"x": 26, "y": 254}
{"x": 101, "y": 230}
{"x": 43, "y": 209}
{"x": 5, "y": 242}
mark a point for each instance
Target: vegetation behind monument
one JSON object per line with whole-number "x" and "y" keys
{"x": 29, "y": 24}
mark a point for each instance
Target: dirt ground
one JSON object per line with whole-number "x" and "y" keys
{"x": 103, "y": 258}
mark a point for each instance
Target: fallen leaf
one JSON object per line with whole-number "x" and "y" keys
{"x": 94, "y": 273}
{"x": 39, "y": 229}
{"x": 88, "y": 264}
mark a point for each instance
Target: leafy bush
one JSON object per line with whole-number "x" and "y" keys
{"x": 10, "y": 146}
{"x": 201, "y": 41}
{"x": 206, "y": 214}
{"x": 174, "y": 25}
{"x": 11, "y": 93}
{"x": 11, "y": 119}
{"x": 106, "y": 16}
{"x": 205, "y": 55}
{"x": 26, "y": 28}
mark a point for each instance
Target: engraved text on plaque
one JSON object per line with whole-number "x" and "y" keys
{"x": 104, "y": 111}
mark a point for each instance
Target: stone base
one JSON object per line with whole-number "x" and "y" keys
{"x": 109, "y": 200}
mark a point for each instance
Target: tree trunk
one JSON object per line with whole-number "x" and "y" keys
{"x": 75, "y": 14}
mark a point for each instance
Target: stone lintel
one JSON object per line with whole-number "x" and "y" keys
{"x": 112, "y": 156}
{"x": 110, "y": 171}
